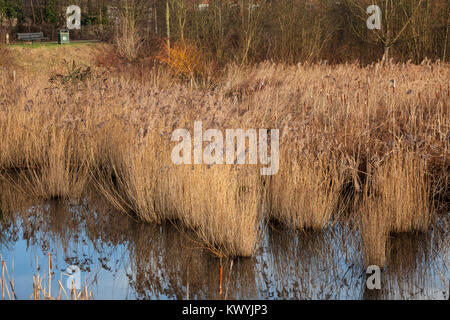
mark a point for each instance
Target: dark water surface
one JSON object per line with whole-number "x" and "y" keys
{"x": 120, "y": 258}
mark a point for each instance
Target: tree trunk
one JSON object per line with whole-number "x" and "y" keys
{"x": 32, "y": 11}
{"x": 385, "y": 58}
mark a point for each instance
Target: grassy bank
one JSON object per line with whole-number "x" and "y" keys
{"x": 365, "y": 145}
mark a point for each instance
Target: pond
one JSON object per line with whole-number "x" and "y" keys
{"x": 121, "y": 258}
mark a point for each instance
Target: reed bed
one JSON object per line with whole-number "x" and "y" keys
{"x": 378, "y": 133}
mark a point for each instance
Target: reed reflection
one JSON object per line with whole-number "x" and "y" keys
{"x": 165, "y": 262}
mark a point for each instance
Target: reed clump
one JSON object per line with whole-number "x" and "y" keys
{"x": 305, "y": 192}
{"x": 397, "y": 199}
{"x": 403, "y": 187}
{"x": 219, "y": 203}
{"x": 233, "y": 196}
{"x": 374, "y": 229}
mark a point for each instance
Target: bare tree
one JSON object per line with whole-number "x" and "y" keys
{"x": 130, "y": 17}
{"x": 396, "y": 17}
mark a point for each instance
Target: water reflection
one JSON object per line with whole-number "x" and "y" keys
{"x": 121, "y": 258}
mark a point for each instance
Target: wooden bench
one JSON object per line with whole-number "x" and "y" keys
{"x": 36, "y": 36}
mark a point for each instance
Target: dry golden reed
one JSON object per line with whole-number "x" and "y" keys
{"x": 305, "y": 192}
{"x": 397, "y": 198}
{"x": 378, "y": 132}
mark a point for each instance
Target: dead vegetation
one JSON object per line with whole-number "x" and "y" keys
{"x": 378, "y": 134}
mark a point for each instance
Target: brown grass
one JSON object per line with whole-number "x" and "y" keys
{"x": 305, "y": 192}
{"x": 343, "y": 130}
{"x": 397, "y": 200}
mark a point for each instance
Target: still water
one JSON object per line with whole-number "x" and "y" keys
{"x": 120, "y": 258}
